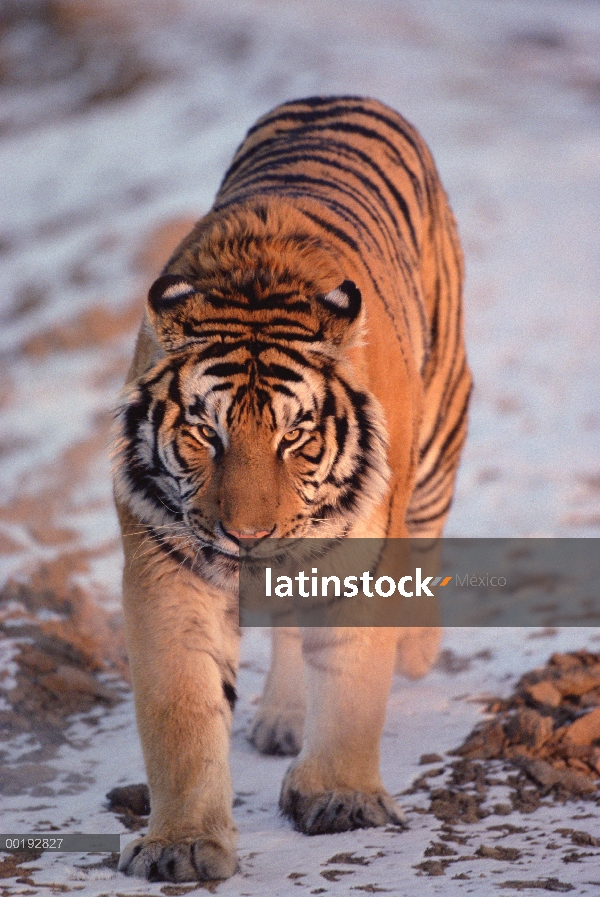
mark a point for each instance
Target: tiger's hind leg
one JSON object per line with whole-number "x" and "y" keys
{"x": 418, "y": 643}
{"x": 278, "y": 723}
{"x": 417, "y": 650}
{"x": 334, "y": 785}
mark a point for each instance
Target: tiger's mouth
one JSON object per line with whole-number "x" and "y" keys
{"x": 213, "y": 552}
{"x": 219, "y": 543}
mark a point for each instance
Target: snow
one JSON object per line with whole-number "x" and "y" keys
{"x": 506, "y": 93}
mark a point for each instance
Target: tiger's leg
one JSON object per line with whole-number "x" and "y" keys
{"x": 418, "y": 649}
{"x": 278, "y": 723}
{"x": 182, "y": 645}
{"x": 419, "y": 639}
{"x": 335, "y": 784}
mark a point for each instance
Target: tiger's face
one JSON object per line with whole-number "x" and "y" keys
{"x": 250, "y": 426}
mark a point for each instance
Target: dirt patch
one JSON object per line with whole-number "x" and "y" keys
{"x": 549, "y": 726}
{"x": 11, "y": 866}
{"x": 60, "y": 666}
{"x": 131, "y": 805}
{"x": 542, "y": 884}
{"x": 542, "y": 744}
{"x": 65, "y": 654}
{"x": 450, "y": 662}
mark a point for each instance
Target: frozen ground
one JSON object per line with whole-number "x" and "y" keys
{"x": 116, "y": 124}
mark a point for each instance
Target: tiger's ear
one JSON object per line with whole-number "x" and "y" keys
{"x": 341, "y": 308}
{"x": 168, "y": 291}
{"x": 170, "y": 302}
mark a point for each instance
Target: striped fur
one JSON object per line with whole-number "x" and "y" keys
{"x": 300, "y": 372}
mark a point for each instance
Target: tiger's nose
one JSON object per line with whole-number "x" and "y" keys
{"x": 255, "y": 536}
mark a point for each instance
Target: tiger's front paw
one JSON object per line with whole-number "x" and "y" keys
{"x": 333, "y": 811}
{"x": 277, "y": 731}
{"x": 190, "y": 859}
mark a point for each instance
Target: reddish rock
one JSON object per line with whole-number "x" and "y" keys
{"x": 485, "y": 743}
{"x": 586, "y": 729}
{"x": 565, "y": 661}
{"x": 544, "y": 693}
{"x": 549, "y": 777}
{"x": 578, "y": 682}
{"x": 595, "y": 759}
{"x": 529, "y": 728}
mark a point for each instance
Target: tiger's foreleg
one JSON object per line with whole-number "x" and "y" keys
{"x": 183, "y": 656}
{"x": 335, "y": 784}
{"x": 279, "y": 720}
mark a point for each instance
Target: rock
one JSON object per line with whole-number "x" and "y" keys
{"x": 565, "y": 661}
{"x": 578, "y": 682}
{"x": 586, "y": 729}
{"x": 456, "y": 806}
{"x": 439, "y": 849}
{"x": 595, "y": 759}
{"x": 544, "y": 693}
{"x": 578, "y": 765}
{"x": 498, "y": 853}
{"x": 36, "y": 660}
{"x": 542, "y": 772}
{"x": 135, "y": 798}
{"x": 529, "y": 728}
{"x": 577, "y": 783}
{"x": 432, "y": 867}
{"x": 590, "y": 698}
{"x": 549, "y": 777}
{"x": 584, "y": 839}
{"x": 502, "y": 809}
{"x": 485, "y": 743}
{"x": 430, "y": 758}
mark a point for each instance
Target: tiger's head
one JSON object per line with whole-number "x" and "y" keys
{"x": 247, "y": 422}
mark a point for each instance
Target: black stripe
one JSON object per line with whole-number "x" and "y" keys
{"x": 279, "y": 387}
{"x": 332, "y": 229}
{"x": 157, "y": 417}
{"x": 419, "y": 521}
{"x": 456, "y": 430}
{"x": 443, "y": 467}
{"x": 226, "y": 369}
{"x": 279, "y": 372}
{"x": 196, "y": 408}
{"x": 268, "y": 302}
{"x": 230, "y": 694}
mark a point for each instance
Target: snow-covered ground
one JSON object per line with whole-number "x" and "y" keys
{"x": 117, "y": 121}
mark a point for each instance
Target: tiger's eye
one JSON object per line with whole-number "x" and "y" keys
{"x": 208, "y": 432}
{"x": 292, "y": 435}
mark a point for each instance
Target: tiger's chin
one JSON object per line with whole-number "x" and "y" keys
{"x": 210, "y": 561}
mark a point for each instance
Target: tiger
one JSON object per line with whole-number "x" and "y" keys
{"x": 300, "y": 371}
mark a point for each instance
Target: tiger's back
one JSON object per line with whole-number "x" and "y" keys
{"x": 300, "y": 371}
